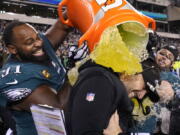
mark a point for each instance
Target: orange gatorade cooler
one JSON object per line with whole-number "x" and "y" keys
{"x": 92, "y": 17}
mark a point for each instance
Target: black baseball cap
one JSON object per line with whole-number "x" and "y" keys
{"x": 173, "y": 50}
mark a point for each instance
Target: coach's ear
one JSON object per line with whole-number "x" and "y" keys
{"x": 12, "y": 49}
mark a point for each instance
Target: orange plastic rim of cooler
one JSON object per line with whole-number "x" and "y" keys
{"x": 92, "y": 17}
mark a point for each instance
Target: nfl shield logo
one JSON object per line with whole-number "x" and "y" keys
{"x": 90, "y": 97}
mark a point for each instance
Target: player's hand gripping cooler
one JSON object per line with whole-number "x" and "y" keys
{"x": 116, "y": 33}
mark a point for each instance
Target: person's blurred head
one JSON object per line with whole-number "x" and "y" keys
{"x": 143, "y": 83}
{"x": 135, "y": 85}
{"x": 166, "y": 56}
{"x": 22, "y": 40}
{"x": 133, "y": 82}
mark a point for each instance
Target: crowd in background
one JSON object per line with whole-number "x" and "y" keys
{"x": 39, "y": 27}
{"x": 73, "y": 37}
{"x": 175, "y": 29}
{"x": 166, "y": 41}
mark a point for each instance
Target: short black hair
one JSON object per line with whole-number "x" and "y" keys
{"x": 8, "y": 32}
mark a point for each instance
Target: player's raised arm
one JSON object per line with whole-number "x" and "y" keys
{"x": 57, "y": 32}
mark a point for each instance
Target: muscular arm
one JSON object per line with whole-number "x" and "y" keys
{"x": 44, "y": 95}
{"x": 57, "y": 33}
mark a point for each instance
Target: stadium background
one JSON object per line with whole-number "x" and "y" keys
{"x": 43, "y": 13}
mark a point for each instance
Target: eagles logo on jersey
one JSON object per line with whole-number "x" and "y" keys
{"x": 17, "y": 93}
{"x": 46, "y": 74}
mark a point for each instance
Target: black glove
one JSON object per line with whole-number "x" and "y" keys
{"x": 75, "y": 54}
